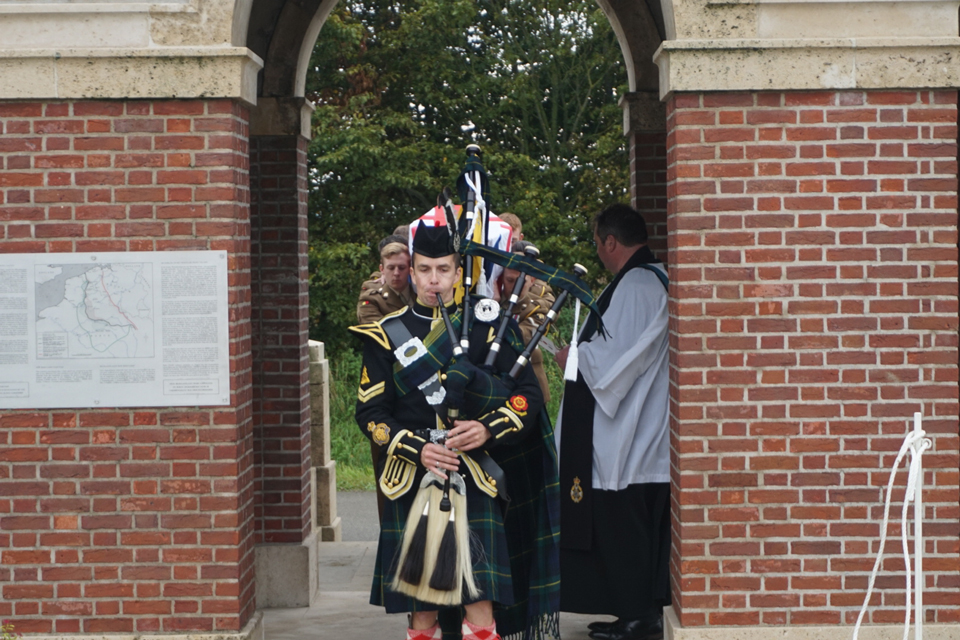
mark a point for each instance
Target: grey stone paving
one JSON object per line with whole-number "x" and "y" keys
{"x": 341, "y": 609}
{"x": 358, "y": 513}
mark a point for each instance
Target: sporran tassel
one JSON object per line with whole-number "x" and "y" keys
{"x": 464, "y": 557}
{"x": 444, "y": 576}
{"x": 414, "y": 547}
{"x": 445, "y": 559}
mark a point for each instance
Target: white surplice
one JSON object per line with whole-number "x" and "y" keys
{"x": 627, "y": 372}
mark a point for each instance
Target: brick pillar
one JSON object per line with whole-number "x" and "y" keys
{"x": 129, "y": 520}
{"x": 280, "y": 319}
{"x": 281, "y": 369}
{"x": 644, "y": 122}
{"x": 813, "y": 255}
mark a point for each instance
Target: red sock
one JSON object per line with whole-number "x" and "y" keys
{"x": 433, "y": 633}
{"x": 471, "y": 631}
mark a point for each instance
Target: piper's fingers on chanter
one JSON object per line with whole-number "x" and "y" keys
{"x": 460, "y": 427}
{"x": 470, "y": 435}
{"x": 437, "y": 459}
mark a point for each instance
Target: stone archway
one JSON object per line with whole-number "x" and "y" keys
{"x": 283, "y": 34}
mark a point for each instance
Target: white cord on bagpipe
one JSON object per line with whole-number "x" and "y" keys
{"x": 915, "y": 443}
{"x": 480, "y": 205}
{"x": 573, "y": 353}
{"x": 480, "y": 210}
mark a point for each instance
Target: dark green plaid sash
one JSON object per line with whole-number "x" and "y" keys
{"x": 438, "y": 354}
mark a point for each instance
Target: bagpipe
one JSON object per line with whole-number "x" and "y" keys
{"x": 435, "y": 562}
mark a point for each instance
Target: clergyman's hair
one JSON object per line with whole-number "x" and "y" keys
{"x": 623, "y": 222}
{"x": 392, "y": 249}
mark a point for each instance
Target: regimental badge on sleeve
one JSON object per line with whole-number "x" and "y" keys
{"x": 519, "y": 405}
{"x": 364, "y": 378}
{"x": 380, "y": 432}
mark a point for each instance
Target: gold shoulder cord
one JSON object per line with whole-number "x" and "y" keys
{"x": 373, "y": 330}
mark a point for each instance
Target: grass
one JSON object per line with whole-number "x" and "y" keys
{"x": 351, "y": 449}
{"x": 348, "y": 446}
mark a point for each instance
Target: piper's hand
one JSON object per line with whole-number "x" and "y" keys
{"x": 467, "y": 435}
{"x": 438, "y": 459}
{"x": 561, "y": 358}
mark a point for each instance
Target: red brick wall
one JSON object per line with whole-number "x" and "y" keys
{"x": 813, "y": 258}
{"x": 129, "y": 520}
{"x": 648, "y": 185}
{"x": 281, "y": 370}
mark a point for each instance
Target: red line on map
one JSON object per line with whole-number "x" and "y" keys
{"x": 112, "y": 302}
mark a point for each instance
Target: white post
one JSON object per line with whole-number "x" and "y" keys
{"x": 918, "y": 528}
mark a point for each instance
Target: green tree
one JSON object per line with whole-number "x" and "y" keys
{"x": 395, "y": 83}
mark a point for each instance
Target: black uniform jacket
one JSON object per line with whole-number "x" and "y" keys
{"x": 390, "y": 420}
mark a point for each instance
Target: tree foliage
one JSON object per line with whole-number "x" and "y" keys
{"x": 396, "y": 83}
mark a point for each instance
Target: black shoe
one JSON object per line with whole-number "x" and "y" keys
{"x": 645, "y": 629}
{"x": 603, "y": 626}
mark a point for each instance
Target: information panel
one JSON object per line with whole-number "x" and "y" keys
{"x": 126, "y": 329}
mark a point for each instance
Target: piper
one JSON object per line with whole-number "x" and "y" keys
{"x": 507, "y": 577}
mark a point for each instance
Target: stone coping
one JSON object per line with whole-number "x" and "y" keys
{"x": 197, "y": 72}
{"x": 98, "y": 7}
{"x": 152, "y": 52}
{"x": 808, "y": 64}
{"x": 806, "y": 43}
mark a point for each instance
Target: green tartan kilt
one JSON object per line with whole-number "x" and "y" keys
{"x": 491, "y": 559}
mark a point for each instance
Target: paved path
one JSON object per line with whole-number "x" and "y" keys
{"x": 341, "y": 609}
{"x": 358, "y": 511}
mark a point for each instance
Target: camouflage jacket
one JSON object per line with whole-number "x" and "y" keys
{"x": 378, "y": 299}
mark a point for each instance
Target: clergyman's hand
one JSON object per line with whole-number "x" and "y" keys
{"x": 467, "y": 435}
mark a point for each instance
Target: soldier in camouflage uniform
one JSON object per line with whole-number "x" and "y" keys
{"x": 388, "y": 289}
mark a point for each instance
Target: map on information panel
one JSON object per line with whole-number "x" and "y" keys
{"x": 114, "y": 329}
{"x": 94, "y": 310}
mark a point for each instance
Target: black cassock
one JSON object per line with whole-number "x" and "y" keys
{"x": 615, "y": 545}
